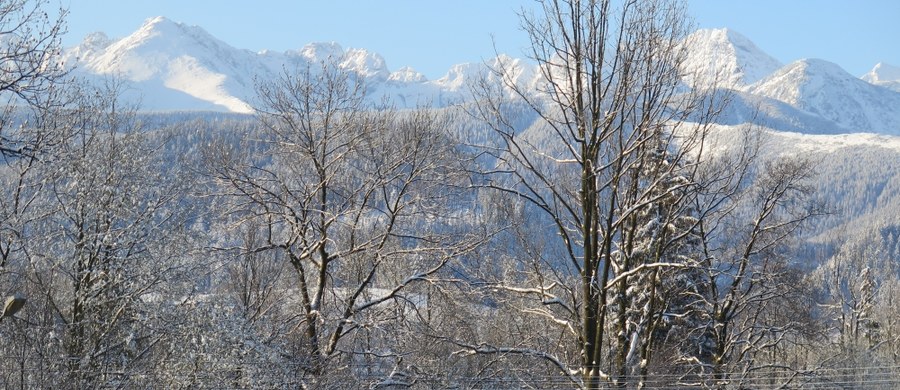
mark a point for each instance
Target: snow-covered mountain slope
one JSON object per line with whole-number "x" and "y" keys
{"x": 724, "y": 58}
{"x": 825, "y": 90}
{"x": 884, "y": 75}
{"x": 744, "y": 107}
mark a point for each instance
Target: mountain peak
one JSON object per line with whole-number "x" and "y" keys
{"x": 795, "y": 81}
{"x": 167, "y": 55}
{"x": 365, "y": 63}
{"x": 724, "y": 57}
{"x": 157, "y": 20}
{"x": 723, "y": 34}
{"x": 160, "y": 25}
{"x": 407, "y": 74}
{"x": 820, "y": 65}
{"x": 97, "y": 39}
{"x": 882, "y": 73}
{"x": 825, "y": 89}
{"x": 321, "y": 51}
{"x": 165, "y": 36}
{"x": 92, "y": 45}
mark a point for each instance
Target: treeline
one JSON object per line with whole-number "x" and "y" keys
{"x": 600, "y": 232}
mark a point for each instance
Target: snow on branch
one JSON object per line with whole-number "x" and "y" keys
{"x": 485, "y": 349}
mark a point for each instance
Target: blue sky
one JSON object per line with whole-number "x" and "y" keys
{"x": 432, "y": 35}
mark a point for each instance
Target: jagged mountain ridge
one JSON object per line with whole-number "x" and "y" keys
{"x": 175, "y": 67}
{"x": 174, "y": 56}
{"x": 809, "y": 96}
{"x": 826, "y": 90}
{"x": 724, "y": 58}
{"x": 179, "y": 67}
{"x": 885, "y": 75}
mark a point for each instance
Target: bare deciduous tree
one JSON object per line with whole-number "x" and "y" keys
{"x": 753, "y": 296}
{"x": 610, "y": 166}
{"x": 100, "y": 237}
{"x": 29, "y": 47}
{"x": 358, "y": 202}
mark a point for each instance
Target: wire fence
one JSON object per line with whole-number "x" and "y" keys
{"x": 33, "y": 373}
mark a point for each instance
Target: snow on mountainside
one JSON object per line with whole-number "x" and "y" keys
{"x": 520, "y": 73}
{"x": 775, "y": 114}
{"x": 884, "y": 75}
{"x": 724, "y": 58}
{"x": 824, "y": 89}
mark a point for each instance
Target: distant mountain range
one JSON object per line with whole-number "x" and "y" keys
{"x": 171, "y": 66}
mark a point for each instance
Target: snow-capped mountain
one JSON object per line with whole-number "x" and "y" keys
{"x": 809, "y": 96}
{"x": 172, "y": 66}
{"x": 885, "y": 75}
{"x": 185, "y": 60}
{"x": 724, "y": 58}
{"x": 826, "y": 90}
